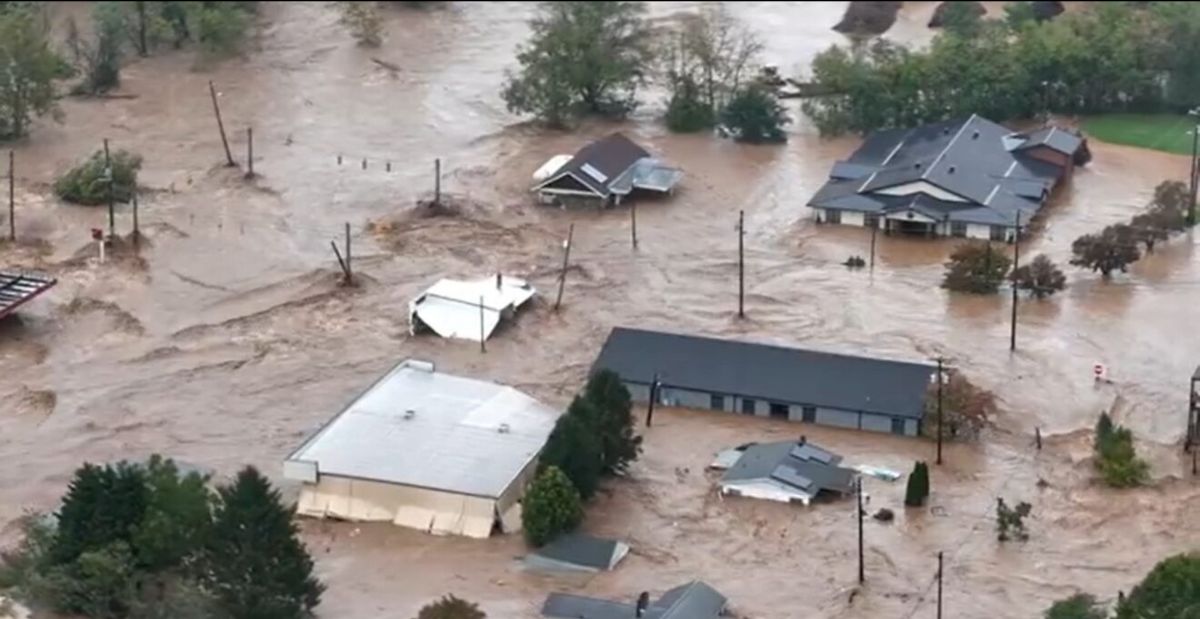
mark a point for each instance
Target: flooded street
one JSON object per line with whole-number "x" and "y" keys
{"x": 228, "y": 340}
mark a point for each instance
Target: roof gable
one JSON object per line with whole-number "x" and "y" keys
{"x": 600, "y": 163}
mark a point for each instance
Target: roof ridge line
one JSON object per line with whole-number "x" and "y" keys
{"x": 947, "y": 148}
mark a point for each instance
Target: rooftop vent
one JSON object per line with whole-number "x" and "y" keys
{"x": 410, "y": 413}
{"x": 951, "y": 170}
{"x": 503, "y": 429}
{"x": 917, "y": 165}
{"x": 945, "y": 130}
{"x": 975, "y": 135}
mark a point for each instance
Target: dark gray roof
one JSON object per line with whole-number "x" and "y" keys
{"x": 981, "y": 162}
{"x": 803, "y": 466}
{"x": 768, "y": 372}
{"x": 695, "y": 600}
{"x": 610, "y": 156}
{"x": 17, "y": 288}
{"x": 583, "y": 550}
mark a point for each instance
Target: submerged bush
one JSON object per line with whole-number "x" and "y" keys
{"x": 88, "y": 182}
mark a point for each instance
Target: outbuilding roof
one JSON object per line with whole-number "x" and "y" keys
{"x": 614, "y": 165}
{"x": 419, "y": 427}
{"x": 695, "y": 600}
{"x": 766, "y": 371}
{"x": 791, "y": 465}
{"x": 18, "y": 288}
{"x": 581, "y": 552}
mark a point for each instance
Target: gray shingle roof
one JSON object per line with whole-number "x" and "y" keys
{"x": 582, "y": 550}
{"x": 811, "y": 463}
{"x": 768, "y": 372}
{"x": 610, "y": 156}
{"x": 695, "y": 600}
{"x": 978, "y": 160}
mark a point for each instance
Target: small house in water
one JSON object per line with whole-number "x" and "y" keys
{"x": 769, "y": 381}
{"x": 963, "y": 178}
{"x": 695, "y": 600}
{"x": 789, "y": 472}
{"x": 426, "y": 450}
{"x": 607, "y": 170}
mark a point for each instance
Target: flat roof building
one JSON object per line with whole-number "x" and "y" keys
{"x": 426, "y": 450}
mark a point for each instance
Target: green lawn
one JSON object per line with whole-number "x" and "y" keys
{"x": 1166, "y": 132}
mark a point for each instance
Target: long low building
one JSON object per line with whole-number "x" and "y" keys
{"x": 769, "y": 381}
{"x": 426, "y": 450}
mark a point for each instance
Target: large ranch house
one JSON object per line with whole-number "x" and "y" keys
{"x": 749, "y": 378}
{"x": 966, "y": 178}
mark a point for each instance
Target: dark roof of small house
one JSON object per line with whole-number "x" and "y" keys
{"x": 695, "y": 600}
{"x": 582, "y": 550}
{"x": 611, "y": 156}
{"x": 801, "y": 465}
{"x": 17, "y": 288}
{"x": 981, "y": 162}
{"x": 768, "y": 372}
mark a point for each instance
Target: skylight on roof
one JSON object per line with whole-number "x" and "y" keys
{"x": 594, "y": 173}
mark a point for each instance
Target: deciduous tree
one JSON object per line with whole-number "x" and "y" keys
{"x": 551, "y": 507}
{"x": 754, "y": 115}
{"x": 88, "y": 182}
{"x": 253, "y": 562}
{"x": 363, "y": 21}
{"x": 1114, "y": 249}
{"x": 965, "y": 408}
{"x": 28, "y": 67}
{"x": 705, "y": 60}
{"x": 1041, "y": 277}
{"x": 976, "y": 268}
{"x": 1010, "y": 522}
{"x": 1171, "y": 589}
{"x": 583, "y": 58}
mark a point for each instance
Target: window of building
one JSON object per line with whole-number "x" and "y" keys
{"x": 897, "y": 425}
{"x": 747, "y": 406}
{"x": 833, "y": 216}
{"x": 716, "y": 402}
{"x": 999, "y": 233}
{"x": 958, "y": 228}
{"x": 809, "y": 414}
{"x": 779, "y": 411}
{"x": 870, "y": 220}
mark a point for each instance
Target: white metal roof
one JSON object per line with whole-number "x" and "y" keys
{"x": 462, "y": 435}
{"x": 451, "y": 308}
{"x": 552, "y": 165}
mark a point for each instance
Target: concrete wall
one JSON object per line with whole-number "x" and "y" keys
{"x": 702, "y": 401}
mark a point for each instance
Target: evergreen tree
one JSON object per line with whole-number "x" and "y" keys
{"x": 754, "y": 115}
{"x": 254, "y": 563}
{"x": 177, "y": 519}
{"x": 918, "y": 486}
{"x": 575, "y": 448}
{"x": 614, "y": 420}
{"x": 551, "y": 507}
{"x": 103, "y": 505}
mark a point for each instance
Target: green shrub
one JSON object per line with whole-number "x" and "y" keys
{"x": 552, "y": 506}
{"x": 754, "y": 115}
{"x": 1078, "y": 606}
{"x": 451, "y": 607}
{"x": 220, "y": 27}
{"x": 87, "y": 183}
{"x": 687, "y": 112}
{"x": 1171, "y": 589}
{"x": 1116, "y": 458}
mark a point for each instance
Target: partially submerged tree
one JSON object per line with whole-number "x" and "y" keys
{"x": 576, "y": 448}
{"x": 363, "y": 20}
{"x": 88, "y": 182}
{"x": 28, "y": 67}
{"x": 1010, "y": 522}
{"x": 754, "y": 115}
{"x": 451, "y": 607}
{"x": 1116, "y": 459}
{"x": 1173, "y": 195}
{"x": 613, "y": 406}
{"x": 1114, "y": 249}
{"x": 551, "y": 507}
{"x": 1171, "y": 589}
{"x": 704, "y": 62}
{"x": 99, "y": 58}
{"x": 254, "y": 562}
{"x": 959, "y": 18}
{"x": 1041, "y": 277}
{"x": 965, "y": 408}
{"x": 219, "y": 27}
{"x": 1078, "y": 606}
{"x": 976, "y": 268}
{"x": 582, "y": 58}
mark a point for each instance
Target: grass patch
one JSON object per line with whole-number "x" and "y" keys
{"x": 1166, "y": 132}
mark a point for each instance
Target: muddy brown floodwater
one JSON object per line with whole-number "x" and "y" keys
{"x": 229, "y": 340}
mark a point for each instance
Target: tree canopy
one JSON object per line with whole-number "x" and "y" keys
{"x": 1113, "y": 249}
{"x": 582, "y": 58}
{"x": 1171, "y": 589}
{"x": 1078, "y": 606}
{"x": 704, "y": 62}
{"x": 976, "y": 268}
{"x": 551, "y": 507}
{"x": 28, "y": 67}
{"x": 451, "y": 607}
{"x": 1041, "y": 277}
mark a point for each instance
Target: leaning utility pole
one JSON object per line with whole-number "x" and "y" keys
{"x": 212, "y": 90}
{"x": 741, "y": 264}
{"x": 939, "y": 410}
{"x": 862, "y": 577}
{"x": 1012, "y": 342}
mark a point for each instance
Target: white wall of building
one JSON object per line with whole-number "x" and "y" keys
{"x": 924, "y": 187}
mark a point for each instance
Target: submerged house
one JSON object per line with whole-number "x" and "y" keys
{"x": 608, "y": 170}
{"x": 469, "y": 310}
{"x": 695, "y": 600}
{"x": 16, "y": 289}
{"x": 426, "y": 450}
{"x": 769, "y": 381}
{"x": 962, "y": 178}
{"x": 789, "y": 472}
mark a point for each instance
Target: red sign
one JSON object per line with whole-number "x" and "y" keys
{"x": 97, "y": 234}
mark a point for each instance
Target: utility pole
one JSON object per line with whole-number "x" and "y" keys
{"x": 137, "y": 234}
{"x": 108, "y": 172}
{"x": 1012, "y": 341}
{"x": 741, "y": 264}
{"x": 862, "y": 576}
{"x": 653, "y": 399}
{"x": 349, "y": 262}
{"x": 939, "y": 411}
{"x": 562, "y": 277}
{"x": 1191, "y": 214}
{"x": 939, "y": 608}
{"x": 482, "y": 329}
{"x": 249, "y": 152}
{"x": 212, "y": 90}
{"x": 633, "y": 222}
{"x": 874, "y": 232}
{"x": 12, "y": 200}
{"x": 437, "y": 181}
